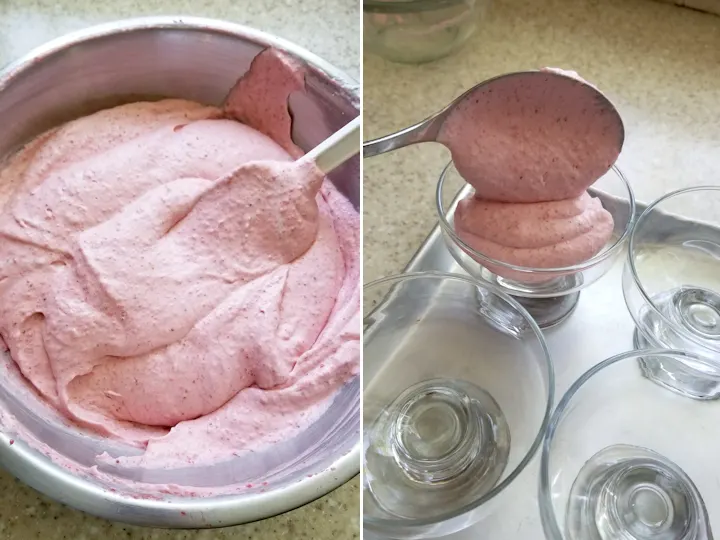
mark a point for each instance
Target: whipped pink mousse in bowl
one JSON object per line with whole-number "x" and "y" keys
{"x": 547, "y": 213}
{"x": 179, "y": 287}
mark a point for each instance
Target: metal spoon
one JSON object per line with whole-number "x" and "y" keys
{"x": 522, "y": 125}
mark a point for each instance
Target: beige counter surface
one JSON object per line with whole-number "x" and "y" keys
{"x": 659, "y": 63}
{"x": 329, "y": 29}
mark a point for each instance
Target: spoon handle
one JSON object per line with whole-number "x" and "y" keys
{"x": 337, "y": 148}
{"x": 425, "y": 131}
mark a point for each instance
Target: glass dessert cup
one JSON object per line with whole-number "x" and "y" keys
{"x": 196, "y": 59}
{"x": 550, "y": 295}
{"x": 624, "y": 458}
{"x": 456, "y": 401}
{"x": 671, "y": 284}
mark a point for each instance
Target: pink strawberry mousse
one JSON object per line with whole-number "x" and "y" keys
{"x": 172, "y": 279}
{"x": 530, "y": 151}
{"x": 534, "y": 235}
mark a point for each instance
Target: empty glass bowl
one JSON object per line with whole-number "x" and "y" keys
{"x": 671, "y": 284}
{"x": 626, "y": 459}
{"x": 456, "y": 399}
{"x": 549, "y": 294}
{"x": 416, "y": 31}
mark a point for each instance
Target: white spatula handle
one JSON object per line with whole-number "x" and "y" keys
{"x": 337, "y": 148}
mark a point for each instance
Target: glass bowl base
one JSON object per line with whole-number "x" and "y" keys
{"x": 633, "y": 493}
{"x": 439, "y": 445}
{"x": 693, "y": 381}
{"x": 547, "y": 312}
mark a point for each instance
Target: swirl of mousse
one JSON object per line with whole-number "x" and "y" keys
{"x": 533, "y": 137}
{"x": 534, "y": 235}
{"x": 171, "y": 278}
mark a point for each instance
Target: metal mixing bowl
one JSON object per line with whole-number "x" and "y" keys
{"x": 200, "y": 60}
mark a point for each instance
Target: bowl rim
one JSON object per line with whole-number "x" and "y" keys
{"x": 40, "y": 472}
{"x": 408, "y": 6}
{"x": 605, "y": 254}
{"x": 172, "y": 22}
{"x": 383, "y": 524}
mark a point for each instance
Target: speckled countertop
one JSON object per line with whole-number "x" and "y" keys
{"x": 658, "y": 63}
{"x": 329, "y": 29}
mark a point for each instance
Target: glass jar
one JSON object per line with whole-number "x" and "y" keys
{"x": 417, "y": 31}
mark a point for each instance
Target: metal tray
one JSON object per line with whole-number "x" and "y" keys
{"x": 600, "y": 327}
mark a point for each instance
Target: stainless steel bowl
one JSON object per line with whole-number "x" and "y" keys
{"x": 194, "y": 59}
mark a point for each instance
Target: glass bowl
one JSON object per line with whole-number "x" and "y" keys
{"x": 671, "y": 283}
{"x": 627, "y": 459}
{"x": 456, "y": 399}
{"x": 417, "y": 31}
{"x": 549, "y": 294}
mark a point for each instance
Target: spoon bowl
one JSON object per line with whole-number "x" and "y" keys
{"x": 523, "y": 137}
